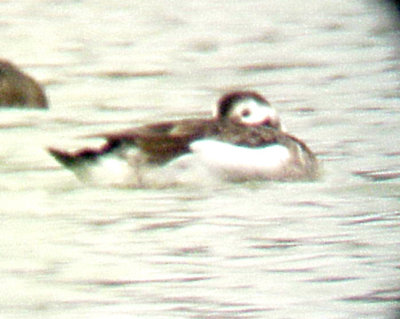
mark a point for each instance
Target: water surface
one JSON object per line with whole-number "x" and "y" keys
{"x": 328, "y": 249}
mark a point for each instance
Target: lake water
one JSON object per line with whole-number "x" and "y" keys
{"x": 324, "y": 249}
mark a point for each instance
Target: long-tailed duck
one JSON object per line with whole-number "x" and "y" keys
{"x": 19, "y": 89}
{"x": 244, "y": 141}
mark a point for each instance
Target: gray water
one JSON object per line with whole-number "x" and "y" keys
{"x": 324, "y": 249}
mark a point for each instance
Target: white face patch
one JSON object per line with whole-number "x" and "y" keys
{"x": 251, "y": 112}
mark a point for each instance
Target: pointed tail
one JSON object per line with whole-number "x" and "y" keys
{"x": 83, "y": 156}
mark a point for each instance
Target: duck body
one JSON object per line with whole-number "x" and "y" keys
{"x": 224, "y": 148}
{"x": 18, "y": 89}
{"x": 257, "y": 154}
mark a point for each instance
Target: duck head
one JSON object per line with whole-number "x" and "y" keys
{"x": 247, "y": 108}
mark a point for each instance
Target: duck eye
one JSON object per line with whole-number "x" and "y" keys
{"x": 245, "y": 113}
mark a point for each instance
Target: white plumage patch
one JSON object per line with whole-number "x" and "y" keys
{"x": 254, "y": 113}
{"x": 210, "y": 161}
{"x": 238, "y": 163}
{"x": 107, "y": 170}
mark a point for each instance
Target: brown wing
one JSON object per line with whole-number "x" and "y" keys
{"x": 304, "y": 159}
{"x": 163, "y": 141}
{"x": 258, "y": 136}
{"x": 249, "y": 136}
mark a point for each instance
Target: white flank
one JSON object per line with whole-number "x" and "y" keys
{"x": 238, "y": 163}
{"x": 129, "y": 170}
{"x": 209, "y": 162}
{"x": 107, "y": 170}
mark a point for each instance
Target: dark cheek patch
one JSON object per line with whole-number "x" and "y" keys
{"x": 245, "y": 113}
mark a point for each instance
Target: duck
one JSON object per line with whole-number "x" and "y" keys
{"x": 243, "y": 141}
{"x": 18, "y": 89}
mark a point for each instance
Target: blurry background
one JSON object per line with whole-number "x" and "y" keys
{"x": 328, "y": 249}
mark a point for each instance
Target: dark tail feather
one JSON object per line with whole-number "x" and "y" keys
{"x": 82, "y": 156}
{"x": 64, "y": 158}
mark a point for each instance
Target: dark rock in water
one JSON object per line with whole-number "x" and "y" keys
{"x": 19, "y": 89}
